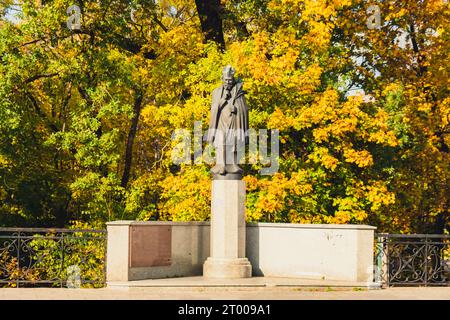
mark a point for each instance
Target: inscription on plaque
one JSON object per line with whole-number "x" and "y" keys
{"x": 150, "y": 246}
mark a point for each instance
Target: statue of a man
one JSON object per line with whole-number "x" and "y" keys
{"x": 228, "y": 125}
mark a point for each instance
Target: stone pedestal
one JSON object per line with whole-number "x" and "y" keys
{"x": 227, "y": 256}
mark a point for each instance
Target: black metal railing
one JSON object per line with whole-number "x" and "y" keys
{"x": 42, "y": 257}
{"x": 412, "y": 260}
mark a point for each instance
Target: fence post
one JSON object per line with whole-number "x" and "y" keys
{"x": 379, "y": 255}
{"x": 386, "y": 260}
{"x": 18, "y": 259}
{"x": 426, "y": 261}
{"x": 381, "y": 271}
{"x": 61, "y": 272}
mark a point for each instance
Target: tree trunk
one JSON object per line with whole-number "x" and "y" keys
{"x": 131, "y": 135}
{"x": 211, "y": 20}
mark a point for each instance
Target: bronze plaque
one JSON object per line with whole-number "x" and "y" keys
{"x": 150, "y": 246}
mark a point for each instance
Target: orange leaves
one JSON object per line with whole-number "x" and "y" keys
{"x": 320, "y": 135}
{"x": 307, "y": 81}
{"x": 321, "y": 111}
{"x": 378, "y": 195}
{"x": 315, "y": 9}
{"x": 273, "y": 194}
{"x": 340, "y": 217}
{"x": 186, "y": 197}
{"x": 180, "y": 42}
{"x": 286, "y": 7}
{"x": 331, "y": 118}
{"x": 299, "y": 183}
{"x": 396, "y": 14}
{"x": 256, "y": 61}
{"x": 268, "y": 58}
{"x": 279, "y": 120}
{"x": 319, "y": 16}
{"x": 284, "y": 51}
{"x": 444, "y": 112}
{"x": 321, "y": 155}
{"x": 360, "y": 158}
{"x": 319, "y": 35}
{"x": 380, "y": 132}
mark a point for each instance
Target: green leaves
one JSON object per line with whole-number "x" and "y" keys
{"x": 80, "y": 110}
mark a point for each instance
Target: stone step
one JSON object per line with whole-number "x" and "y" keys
{"x": 199, "y": 281}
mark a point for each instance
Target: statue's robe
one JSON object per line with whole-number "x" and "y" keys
{"x": 236, "y": 124}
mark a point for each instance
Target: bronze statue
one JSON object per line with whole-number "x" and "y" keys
{"x": 228, "y": 125}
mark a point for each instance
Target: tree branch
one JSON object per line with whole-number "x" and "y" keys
{"x": 40, "y": 76}
{"x": 39, "y": 111}
{"x": 122, "y": 42}
{"x": 131, "y": 135}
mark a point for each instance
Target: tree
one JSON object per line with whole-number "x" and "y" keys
{"x": 87, "y": 115}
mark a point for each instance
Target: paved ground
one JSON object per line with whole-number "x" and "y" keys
{"x": 253, "y": 282}
{"x": 225, "y": 293}
{"x": 259, "y": 288}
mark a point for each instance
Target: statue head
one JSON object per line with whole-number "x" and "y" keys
{"x": 228, "y": 77}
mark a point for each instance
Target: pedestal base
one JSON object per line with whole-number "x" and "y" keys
{"x": 227, "y": 259}
{"x": 227, "y": 268}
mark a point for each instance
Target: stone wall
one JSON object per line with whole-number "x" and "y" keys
{"x": 146, "y": 250}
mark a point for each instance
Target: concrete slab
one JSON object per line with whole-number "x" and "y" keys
{"x": 192, "y": 282}
{"x": 223, "y": 293}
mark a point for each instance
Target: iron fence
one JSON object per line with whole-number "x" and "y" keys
{"x": 412, "y": 260}
{"x": 31, "y": 257}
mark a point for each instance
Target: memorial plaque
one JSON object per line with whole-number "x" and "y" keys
{"x": 150, "y": 246}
